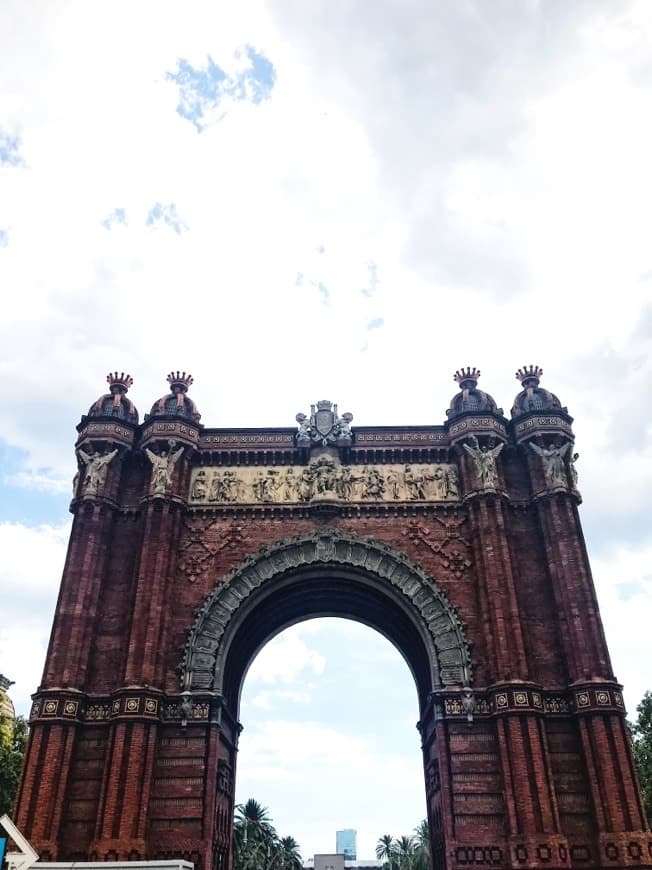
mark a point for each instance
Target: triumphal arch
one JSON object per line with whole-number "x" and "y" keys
{"x": 461, "y": 543}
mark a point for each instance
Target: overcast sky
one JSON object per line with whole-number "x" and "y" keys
{"x": 299, "y": 199}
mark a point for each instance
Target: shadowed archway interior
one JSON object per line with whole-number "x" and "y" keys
{"x": 325, "y": 574}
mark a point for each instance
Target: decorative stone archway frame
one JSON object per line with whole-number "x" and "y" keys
{"x": 391, "y": 575}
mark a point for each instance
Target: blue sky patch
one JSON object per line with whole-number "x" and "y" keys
{"x": 10, "y": 149}
{"x": 30, "y": 497}
{"x": 4, "y": 238}
{"x": 117, "y": 216}
{"x": 166, "y": 214}
{"x": 202, "y": 90}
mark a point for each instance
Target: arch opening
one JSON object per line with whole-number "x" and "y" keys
{"x": 329, "y": 708}
{"x": 327, "y": 573}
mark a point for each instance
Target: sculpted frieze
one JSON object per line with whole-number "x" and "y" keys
{"x": 324, "y": 478}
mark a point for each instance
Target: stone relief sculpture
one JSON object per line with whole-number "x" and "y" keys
{"x": 324, "y": 479}
{"x": 324, "y": 426}
{"x": 573, "y": 471}
{"x": 162, "y": 467}
{"x": 96, "y": 468}
{"x": 484, "y": 459}
{"x": 553, "y": 463}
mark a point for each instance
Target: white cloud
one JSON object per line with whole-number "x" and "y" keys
{"x": 284, "y": 660}
{"x": 624, "y": 583}
{"x": 32, "y": 562}
{"x": 476, "y": 178}
{"x": 334, "y": 770}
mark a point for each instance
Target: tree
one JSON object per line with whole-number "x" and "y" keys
{"x": 422, "y": 846}
{"x": 406, "y": 852}
{"x": 12, "y": 749}
{"x": 386, "y": 851}
{"x": 642, "y": 748}
{"x": 257, "y": 846}
{"x": 290, "y": 857}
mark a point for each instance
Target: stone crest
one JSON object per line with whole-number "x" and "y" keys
{"x": 324, "y": 426}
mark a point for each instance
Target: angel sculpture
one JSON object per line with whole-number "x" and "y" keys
{"x": 553, "y": 462}
{"x": 485, "y": 461}
{"x": 162, "y": 467}
{"x": 571, "y": 464}
{"x": 96, "y": 468}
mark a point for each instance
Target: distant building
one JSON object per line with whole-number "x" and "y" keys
{"x": 337, "y": 862}
{"x": 329, "y": 862}
{"x": 345, "y": 844}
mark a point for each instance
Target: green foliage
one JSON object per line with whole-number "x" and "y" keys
{"x": 642, "y": 748}
{"x": 12, "y": 749}
{"x": 406, "y": 852}
{"x": 257, "y": 846}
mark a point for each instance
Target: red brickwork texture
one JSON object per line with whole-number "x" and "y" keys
{"x": 541, "y": 776}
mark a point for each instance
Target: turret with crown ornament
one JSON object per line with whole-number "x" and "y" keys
{"x": 115, "y": 403}
{"x": 177, "y": 403}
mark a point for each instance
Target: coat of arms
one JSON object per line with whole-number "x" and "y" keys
{"x": 324, "y": 426}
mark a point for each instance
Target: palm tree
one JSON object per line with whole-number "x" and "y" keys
{"x": 289, "y": 854}
{"x": 254, "y": 837}
{"x": 386, "y": 850}
{"x": 422, "y": 842}
{"x": 405, "y": 850}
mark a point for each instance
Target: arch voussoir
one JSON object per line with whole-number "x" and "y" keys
{"x": 439, "y": 620}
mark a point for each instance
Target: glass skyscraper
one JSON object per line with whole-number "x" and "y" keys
{"x": 345, "y": 843}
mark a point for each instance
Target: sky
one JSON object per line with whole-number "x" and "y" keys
{"x": 298, "y": 200}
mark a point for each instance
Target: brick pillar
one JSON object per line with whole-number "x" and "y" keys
{"x": 532, "y": 814}
{"x": 120, "y": 832}
{"x": 68, "y": 653}
{"x": 124, "y": 806}
{"x": 60, "y": 698}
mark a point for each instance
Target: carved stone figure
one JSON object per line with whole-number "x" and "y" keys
{"x": 323, "y": 478}
{"x": 231, "y": 486}
{"x": 452, "y": 485}
{"x": 306, "y": 485}
{"x": 553, "y": 462}
{"x": 162, "y": 467}
{"x": 345, "y": 483}
{"x": 324, "y": 426}
{"x": 393, "y": 482}
{"x": 324, "y": 474}
{"x": 304, "y": 428}
{"x": 415, "y": 484}
{"x": 215, "y": 493}
{"x": 289, "y": 485}
{"x": 484, "y": 459}
{"x": 262, "y": 487}
{"x": 468, "y": 704}
{"x": 187, "y": 708}
{"x": 441, "y": 485}
{"x": 96, "y": 468}
{"x": 573, "y": 471}
{"x": 374, "y": 483}
{"x": 199, "y": 487}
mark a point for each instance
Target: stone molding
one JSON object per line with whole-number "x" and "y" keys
{"x": 445, "y": 630}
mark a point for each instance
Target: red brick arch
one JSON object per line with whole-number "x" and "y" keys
{"x": 325, "y": 573}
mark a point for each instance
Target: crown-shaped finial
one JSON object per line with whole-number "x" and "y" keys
{"x": 119, "y": 383}
{"x": 529, "y": 376}
{"x": 179, "y": 381}
{"x": 467, "y": 377}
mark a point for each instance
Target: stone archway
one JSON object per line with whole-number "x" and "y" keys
{"x": 325, "y": 573}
